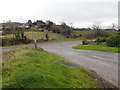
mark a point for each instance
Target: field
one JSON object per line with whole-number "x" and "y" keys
{"x": 53, "y": 37}
{"x": 40, "y": 35}
{"x": 84, "y": 32}
{"x": 98, "y": 48}
{"x": 36, "y": 35}
{"x": 92, "y": 34}
{"x": 36, "y": 68}
{"x": 92, "y": 31}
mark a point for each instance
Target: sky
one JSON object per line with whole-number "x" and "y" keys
{"x": 77, "y": 13}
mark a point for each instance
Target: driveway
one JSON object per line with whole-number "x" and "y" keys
{"x": 104, "y": 63}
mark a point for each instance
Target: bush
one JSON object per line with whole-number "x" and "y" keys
{"x": 98, "y": 33}
{"x": 7, "y": 42}
{"x": 113, "y": 41}
{"x": 85, "y": 42}
{"x": 100, "y": 40}
{"x": 104, "y": 39}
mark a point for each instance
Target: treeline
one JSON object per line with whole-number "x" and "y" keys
{"x": 12, "y": 27}
{"x": 18, "y": 29}
{"x": 63, "y": 28}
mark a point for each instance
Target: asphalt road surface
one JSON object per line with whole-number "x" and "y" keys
{"x": 103, "y": 63}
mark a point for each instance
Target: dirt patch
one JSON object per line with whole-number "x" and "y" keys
{"x": 12, "y": 53}
{"x": 70, "y": 64}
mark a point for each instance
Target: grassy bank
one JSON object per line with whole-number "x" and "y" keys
{"x": 97, "y": 48}
{"x": 36, "y": 68}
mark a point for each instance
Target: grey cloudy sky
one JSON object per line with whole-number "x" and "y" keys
{"x": 82, "y": 13}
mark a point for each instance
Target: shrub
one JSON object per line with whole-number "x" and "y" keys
{"x": 20, "y": 35}
{"x": 113, "y": 41}
{"x": 98, "y": 33}
{"x": 7, "y": 42}
{"x": 85, "y": 42}
{"x": 100, "y": 40}
{"x": 104, "y": 39}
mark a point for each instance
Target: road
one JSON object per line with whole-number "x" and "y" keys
{"x": 103, "y": 63}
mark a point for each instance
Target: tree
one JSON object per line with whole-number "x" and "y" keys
{"x": 11, "y": 25}
{"x": 113, "y": 26}
{"x": 19, "y": 35}
{"x": 56, "y": 29}
{"x": 3, "y": 26}
{"x": 30, "y": 24}
{"x": 49, "y": 24}
{"x": 23, "y": 37}
{"x": 64, "y": 25}
{"x": 46, "y": 35}
{"x": 96, "y": 25}
{"x": 66, "y": 29}
{"x": 39, "y": 24}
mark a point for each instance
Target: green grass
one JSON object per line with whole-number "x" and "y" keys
{"x": 36, "y": 35}
{"x": 92, "y": 31}
{"x": 36, "y": 68}
{"x": 97, "y": 48}
{"x": 84, "y": 32}
{"x": 112, "y": 32}
{"x": 41, "y": 35}
{"x": 88, "y": 32}
{"x": 55, "y": 36}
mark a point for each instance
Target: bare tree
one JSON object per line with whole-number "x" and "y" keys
{"x": 113, "y": 26}
{"x": 96, "y": 25}
{"x": 71, "y": 24}
{"x": 11, "y": 25}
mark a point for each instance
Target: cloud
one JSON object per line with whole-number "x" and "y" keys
{"x": 79, "y": 12}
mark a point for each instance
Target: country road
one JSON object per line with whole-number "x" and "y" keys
{"x": 104, "y": 63}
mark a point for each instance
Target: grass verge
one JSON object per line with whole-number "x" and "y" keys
{"x": 36, "y": 68}
{"x": 98, "y": 48}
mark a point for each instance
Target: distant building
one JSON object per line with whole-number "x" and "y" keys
{"x": 24, "y": 26}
